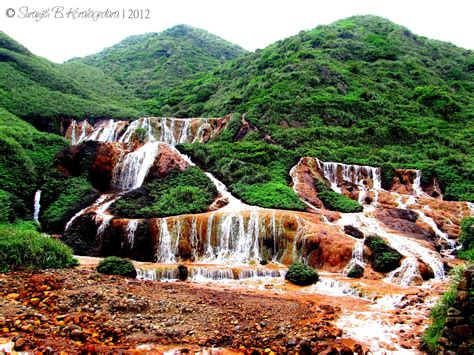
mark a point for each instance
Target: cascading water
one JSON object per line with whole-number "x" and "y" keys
{"x": 37, "y": 205}
{"x": 133, "y": 168}
{"x": 354, "y": 175}
{"x": 357, "y": 256}
{"x": 234, "y": 204}
{"x": 165, "y": 253}
{"x": 131, "y": 229}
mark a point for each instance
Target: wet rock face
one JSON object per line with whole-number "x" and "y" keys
{"x": 403, "y": 221}
{"x": 76, "y": 159}
{"x": 402, "y": 182}
{"x": 353, "y": 231}
{"x": 106, "y": 158}
{"x": 167, "y": 161}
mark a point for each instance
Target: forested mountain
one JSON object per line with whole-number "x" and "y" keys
{"x": 361, "y": 90}
{"x": 147, "y": 64}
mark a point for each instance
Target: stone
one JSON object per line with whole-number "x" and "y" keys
{"x": 463, "y": 332}
{"x": 291, "y": 342}
{"x": 19, "y": 344}
{"x": 353, "y": 231}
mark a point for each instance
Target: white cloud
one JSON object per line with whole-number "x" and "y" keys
{"x": 249, "y": 23}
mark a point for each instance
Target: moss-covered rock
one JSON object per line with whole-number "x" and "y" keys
{"x": 113, "y": 265}
{"x": 384, "y": 258}
{"x": 301, "y": 274}
{"x": 356, "y": 272}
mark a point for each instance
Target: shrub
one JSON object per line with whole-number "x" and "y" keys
{"x": 356, "y": 271}
{"x": 466, "y": 238}
{"x": 114, "y": 265}
{"x": 439, "y": 314}
{"x": 336, "y": 202}
{"x": 22, "y": 247}
{"x": 301, "y": 274}
{"x": 384, "y": 258}
{"x": 5, "y": 207}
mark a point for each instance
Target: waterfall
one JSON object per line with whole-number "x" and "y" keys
{"x": 167, "y": 134}
{"x": 234, "y": 203}
{"x": 102, "y": 217}
{"x": 183, "y": 134}
{"x": 406, "y": 273}
{"x": 416, "y": 186}
{"x": 331, "y": 287}
{"x": 131, "y": 229}
{"x": 105, "y": 133}
{"x": 133, "y": 168}
{"x": 236, "y": 243}
{"x": 357, "y": 256}
{"x": 73, "y": 132}
{"x": 37, "y": 205}
{"x": 438, "y": 232}
{"x": 353, "y": 174}
{"x": 165, "y": 253}
{"x": 83, "y": 132}
{"x": 410, "y": 200}
{"x": 143, "y": 123}
{"x": 209, "y": 252}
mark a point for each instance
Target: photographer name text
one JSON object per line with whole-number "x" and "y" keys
{"x": 74, "y": 13}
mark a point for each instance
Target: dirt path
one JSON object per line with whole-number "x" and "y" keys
{"x": 82, "y": 311}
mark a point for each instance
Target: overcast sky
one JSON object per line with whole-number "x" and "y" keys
{"x": 250, "y": 23}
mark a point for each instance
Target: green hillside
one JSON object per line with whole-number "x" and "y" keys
{"x": 361, "y": 90}
{"x": 147, "y": 64}
{"x": 41, "y": 92}
{"x": 26, "y": 158}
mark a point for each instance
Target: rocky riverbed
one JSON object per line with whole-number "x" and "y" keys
{"x": 80, "y": 310}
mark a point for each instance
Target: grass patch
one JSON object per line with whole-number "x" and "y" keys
{"x": 439, "y": 314}
{"x": 189, "y": 191}
{"x": 336, "y": 202}
{"x": 22, "y": 247}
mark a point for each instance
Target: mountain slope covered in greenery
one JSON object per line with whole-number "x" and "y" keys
{"x": 361, "y": 90}
{"x": 41, "y": 92}
{"x": 146, "y": 64}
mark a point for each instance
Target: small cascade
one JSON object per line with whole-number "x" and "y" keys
{"x": 332, "y": 287}
{"x": 204, "y": 274}
{"x": 37, "y": 205}
{"x": 146, "y": 274}
{"x": 167, "y": 131}
{"x": 131, "y": 229}
{"x": 162, "y": 274}
{"x": 451, "y": 244}
{"x": 99, "y": 201}
{"x": 356, "y": 175}
{"x": 133, "y": 168}
{"x": 406, "y": 274}
{"x": 470, "y": 205}
{"x": 165, "y": 254}
{"x": 234, "y": 203}
{"x": 73, "y": 132}
{"x": 105, "y": 133}
{"x": 260, "y": 273}
{"x": 410, "y": 200}
{"x": 102, "y": 217}
{"x": 183, "y": 134}
{"x": 143, "y": 123}
{"x": 357, "y": 256}
{"x": 406, "y": 246}
{"x": 417, "y": 190}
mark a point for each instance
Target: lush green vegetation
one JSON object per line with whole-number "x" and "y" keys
{"x": 42, "y": 92}
{"x": 335, "y": 201}
{"x": 362, "y": 90}
{"x": 439, "y": 314}
{"x": 26, "y": 156}
{"x": 189, "y": 191}
{"x": 466, "y": 238}
{"x": 301, "y": 274}
{"x": 384, "y": 258}
{"x": 154, "y": 62}
{"x": 254, "y": 171}
{"x": 114, "y": 265}
{"x": 22, "y": 247}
